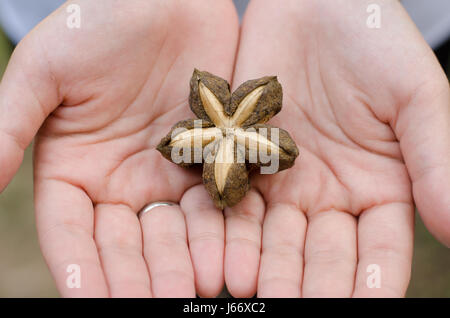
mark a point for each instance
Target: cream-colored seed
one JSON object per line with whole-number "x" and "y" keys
{"x": 256, "y": 142}
{"x": 213, "y": 107}
{"x": 246, "y": 107}
{"x": 195, "y": 137}
{"x": 223, "y": 163}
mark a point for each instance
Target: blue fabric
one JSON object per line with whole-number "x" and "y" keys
{"x": 18, "y": 17}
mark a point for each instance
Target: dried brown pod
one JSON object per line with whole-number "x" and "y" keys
{"x": 230, "y": 134}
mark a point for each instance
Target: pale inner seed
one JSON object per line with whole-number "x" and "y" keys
{"x": 246, "y": 106}
{"x": 256, "y": 142}
{"x": 213, "y": 107}
{"x": 223, "y": 162}
{"x": 197, "y": 137}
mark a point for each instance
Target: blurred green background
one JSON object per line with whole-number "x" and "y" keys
{"x": 23, "y": 272}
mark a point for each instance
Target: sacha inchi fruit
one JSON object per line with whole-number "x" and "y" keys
{"x": 230, "y": 136}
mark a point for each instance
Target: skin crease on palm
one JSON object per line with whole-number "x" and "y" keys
{"x": 369, "y": 109}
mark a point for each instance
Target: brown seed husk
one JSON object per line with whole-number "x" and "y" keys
{"x": 217, "y": 85}
{"x": 164, "y": 146}
{"x": 268, "y": 105}
{"x": 236, "y": 185}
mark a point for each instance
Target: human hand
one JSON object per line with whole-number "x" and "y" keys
{"x": 369, "y": 109}
{"x": 67, "y": 171}
{"x": 99, "y": 99}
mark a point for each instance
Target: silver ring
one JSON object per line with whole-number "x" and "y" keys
{"x": 153, "y": 205}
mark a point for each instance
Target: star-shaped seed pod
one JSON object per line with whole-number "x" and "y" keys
{"x": 230, "y": 136}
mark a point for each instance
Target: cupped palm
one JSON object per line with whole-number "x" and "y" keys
{"x": 108, "y": 92}
{"x": 369, "y": 109}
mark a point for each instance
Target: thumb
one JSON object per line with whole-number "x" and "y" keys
{"x": 28, "y": 94}
{"x": 423, "y": 128}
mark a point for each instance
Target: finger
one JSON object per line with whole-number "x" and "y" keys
{"x": 65, "y": 224}
{"x": 205, "y": 228}
{"x": 166, "y": 252}
{"x": 28, "y": 94}
{"x": 330, "y": 255}
{"x": 243, "y": 244}
{"x": 423, "y": 127}
{"x": 385, "y": 246}
{"x": 119, "y": 242}
{"x": 281, "y": 269}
